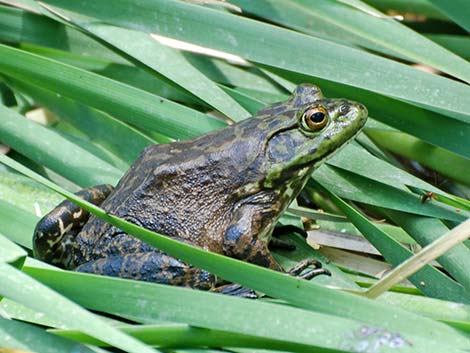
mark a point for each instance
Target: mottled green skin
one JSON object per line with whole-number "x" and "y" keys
{"x": 223, "y": 191}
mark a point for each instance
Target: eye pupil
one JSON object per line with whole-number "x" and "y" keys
{"x": 314, "y": 119}
{"x": 317, "y": 117}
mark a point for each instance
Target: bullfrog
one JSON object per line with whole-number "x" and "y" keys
{"x": 223, "y": 192}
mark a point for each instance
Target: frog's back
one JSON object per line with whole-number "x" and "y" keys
{"x": 185, "y": 190}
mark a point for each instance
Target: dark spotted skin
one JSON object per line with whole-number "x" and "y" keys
{"x": 223, "y": 192}
{"x": 57, "y": 230}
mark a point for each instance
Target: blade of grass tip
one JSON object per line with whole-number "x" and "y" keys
{"x": 298, "y": 292}
{"x": 422, "y": 258}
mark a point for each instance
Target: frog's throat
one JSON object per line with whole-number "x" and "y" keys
{"x": 304, "y": 169}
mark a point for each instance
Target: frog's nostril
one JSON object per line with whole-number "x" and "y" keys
{"x": 343, "y": 109}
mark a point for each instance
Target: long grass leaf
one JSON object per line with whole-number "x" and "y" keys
{"x": 363, "y": 26}
{"x": 294, "y": 329}
{"x": 52, "y": 150}
{"x": 357, "y": 188}
{"x": 169, "y": 63}
{"x": 16, "y": 285}
{"x": 122, "y": 101}
{"x": 21, "y": 337}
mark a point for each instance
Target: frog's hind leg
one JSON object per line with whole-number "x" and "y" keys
{"x": 54, "y": 234}
{"x": 152, "y": 266}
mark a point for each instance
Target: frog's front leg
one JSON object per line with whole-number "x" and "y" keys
{"x": 242, "y": 237}
{"x": 242, "y": 241}
{"x": 152, "y": 266}
{"x": 54, "y": 234}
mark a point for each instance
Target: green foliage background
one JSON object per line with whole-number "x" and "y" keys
{"x": 116, "y": 90}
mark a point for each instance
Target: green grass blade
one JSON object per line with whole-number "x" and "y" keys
{"x": 299, "y": 292}
{"x": 17, "y": 224}
{"x": 359, "y": 161}
{"x": 340, "y": 21}
{"x": 26, "y": 194}
{"x": 138, "y": 77}
{"x": 100, "y": 128}
{"x": 444, "y": 162}
{"x": 357, "y": 188}
{"x": 295, "y": 329}
{"x": 11, "y": 253}
{"x": 455, "y": 43}
{"x": 21, "y": 26}
{"x": 456, "y": 314}
{"x": 25, "y": 337}
{"x": 124, "y": 102}
{"x": 169, "y": 63}
{"x": 49, "y": 148}
{"x": 17, "y": 286}
{"x": 181, "y": 335}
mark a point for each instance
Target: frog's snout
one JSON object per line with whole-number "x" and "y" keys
{"x": 357, "y": 114}
{"x": 362, "y": 110}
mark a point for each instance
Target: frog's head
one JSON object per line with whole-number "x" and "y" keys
{"x": 310, "y": 129}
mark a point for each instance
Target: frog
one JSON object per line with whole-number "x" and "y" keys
{"x": 223, "y": 191}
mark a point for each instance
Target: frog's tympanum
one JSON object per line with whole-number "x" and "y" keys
{"x": 223, "y": 192}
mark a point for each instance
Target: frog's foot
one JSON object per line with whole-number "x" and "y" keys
{"x": 54, "y": 234}
{"x": 301, "y": 266}
{"x": 244, "y": 292}
{"x": 236, "y": 290}
{"x": 152, "y": 266}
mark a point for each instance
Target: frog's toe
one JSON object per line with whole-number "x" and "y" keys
{"x": 301, "y": 266}
{"x": 314, "y": 273}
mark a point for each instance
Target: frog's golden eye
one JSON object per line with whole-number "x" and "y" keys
{"x": 315, "y": 118}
